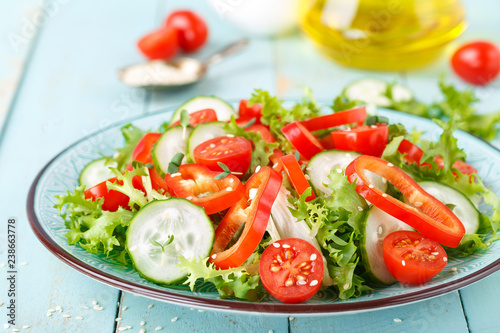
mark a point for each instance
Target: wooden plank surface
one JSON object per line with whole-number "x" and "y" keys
{"x": 71, "y": 90}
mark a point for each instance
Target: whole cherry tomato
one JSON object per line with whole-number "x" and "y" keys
{"x": 477, "y": 63}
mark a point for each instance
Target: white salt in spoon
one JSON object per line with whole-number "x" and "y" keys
{"x": 160, "y": 74}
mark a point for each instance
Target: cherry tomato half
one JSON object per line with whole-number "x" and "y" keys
{"x": 412, "y": 258}
{"x": 477, "y": 63}
{"x": 367, "y": 140}
{"x": 161, "y": 44}
{"x": 263, "y": 130}
{"x": 291, "y": 270}
{"x": 234, "y": 152}
{"x": 191, "y": 29}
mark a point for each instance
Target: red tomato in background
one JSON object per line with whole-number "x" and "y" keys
{"x": 161, "y": 44}
{"x": 412, "y": 258}
{"x": 292, "y": 270}
{"x": 477, "y": 63}
{"x": 191, "y": 29}
{"x": 234, "y": 152}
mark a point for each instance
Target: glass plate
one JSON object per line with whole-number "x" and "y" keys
{"x": 62, "y": 173}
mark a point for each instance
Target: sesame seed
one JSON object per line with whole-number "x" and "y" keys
{"x": 257, "y": 168}
{"x": 313, "y": 256}
{"x": 229, "y": 189}
{"x": 454, "y": 269}
{"x": 360, "y": 208}
{"x": 384, "y": 180}
{"x": 338, "y": 170}
{"x": 313, "y": 283}
{"x": 66, "y": 315}
{"x": 98, "y": 308}
{"x": 15, "y": 330}
{"x": 434, "y": 253}
{"x": 488, "y": 244}
{"x": 445, "y": 259}
{"x": 58, "y": 308}
{"x": 373, "y": 126}
{"x": 24, "y": 263}
{"x": 384, "y": 195}
{"x": 86, "y": 307}
{"x": 270, "y": 331}
{"x": 390, "y": 164}
{"x": 301, "y": 283}
{"x": 189, "y": 198}
{"x": 118, "y": 319}
{"x": 6, "y": 326}
{"x": 174, "y": 319}
{"x": 122, "y": 328}
{"x": 79, "y": 318}
{"x": 201, "y": 310}
{"x": 1, "y": 303}
{"x": 142, "y": 330}
{"x": 230, "y": 136}
{"x": 291, "y": 318}
{"x": 371, "y": 186}
{"x": 150, "y": 306}
{"x": 117, "y": 304}
{"x": 2, "y": 264}
{"x": 51, "y": 310}
{"x": 143, "y": 323}
{"x": 128, "y": 327}
{"x": 26, "y": 327}
{"x": 177, "y": 174}
{"x": 276, "y": 245}
{"x": 286, "y": 246}
{"x": 94, "y": 302}
{"x": 48, "y": 314}
{"x": 403, "y": 263}
{"x": 214, "y": 255}
{"x": 192, "y": 309}
{"x": 159, "y": 328}
{"x": 397, "y": 320}
{"x": 231, "y": 180}
{"x": 275, "y": 165}
{"x": 212, "y": 145}
{"x": 346, "y": 286}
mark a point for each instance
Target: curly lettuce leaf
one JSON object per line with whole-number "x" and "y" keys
{"x": 123, "y": 157}
{"x": 275, "y": 115}
{"x": 234, "y": 282}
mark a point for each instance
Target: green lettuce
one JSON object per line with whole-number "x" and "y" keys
{"x": 123, "y": 157}
{"x": 234, "y": 282}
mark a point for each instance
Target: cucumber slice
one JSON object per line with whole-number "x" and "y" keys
{"x": 373, "y": 91}
{"x": 376, "y": 226}
{"x": 202, "y": 133}
{"x": 223, "y": 109}
{"x": 170, "y": 143}
{"x": 464, "y": 208}
{"x": 320, "y": 165}
{"x": 96, "y": 172}
{"x": 191, "y": 228}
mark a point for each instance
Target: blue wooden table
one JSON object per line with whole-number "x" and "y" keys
{"x": 58, "y": 83}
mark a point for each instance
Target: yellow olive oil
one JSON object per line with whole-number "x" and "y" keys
{"x": 382, "y": 34}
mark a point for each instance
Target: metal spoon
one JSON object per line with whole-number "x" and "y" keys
{"x": 180, "y": 72}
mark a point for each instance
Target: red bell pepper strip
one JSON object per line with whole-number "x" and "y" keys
{"x": 296, "y": 176}
{"x": 302, "y": 140}
{"x": 368, "y": 140}
{"x": 425, "y": 213}
{"x": 356, "y": 115}
{"x": 198, "y": 184}
{"x": 253, "y": 210}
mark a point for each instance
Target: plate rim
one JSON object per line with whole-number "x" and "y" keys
{"x": 338, "y": 307}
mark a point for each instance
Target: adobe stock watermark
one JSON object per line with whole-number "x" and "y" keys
{"x": 225, "y": 6}
{"x": 32, "y": 22}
